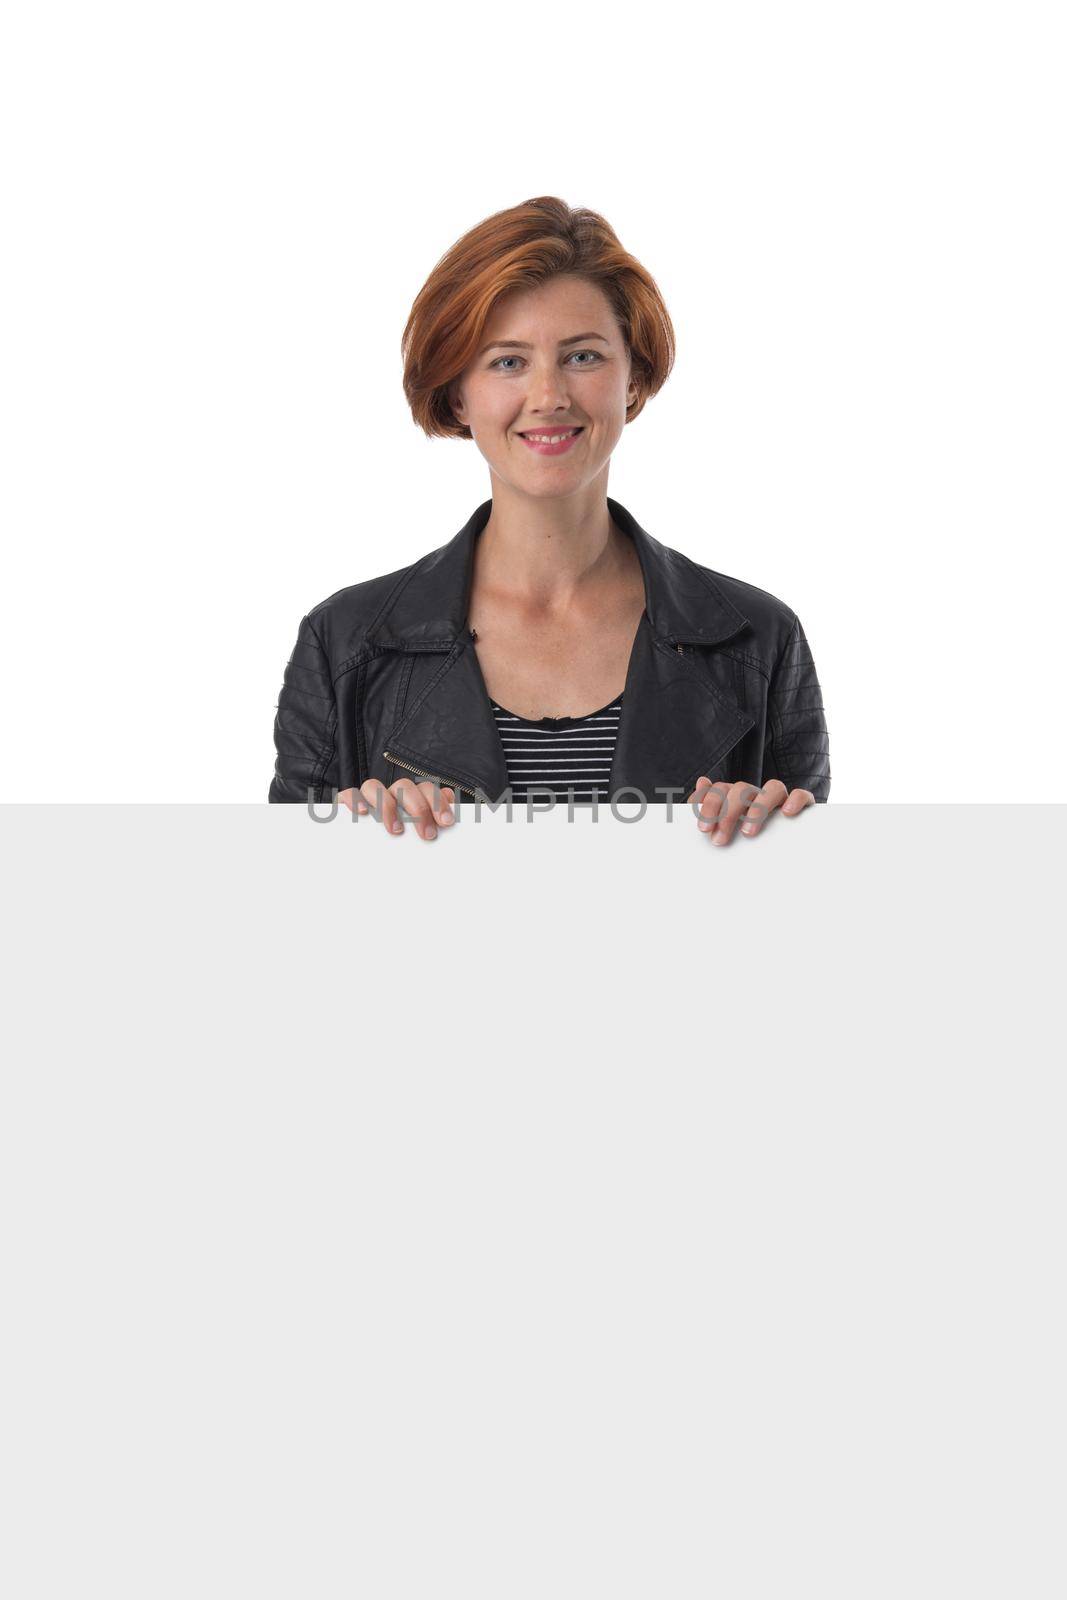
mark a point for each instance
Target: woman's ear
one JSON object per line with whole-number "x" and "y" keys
{"x": 455, "y": 401}
{"x": 631, "y": 388}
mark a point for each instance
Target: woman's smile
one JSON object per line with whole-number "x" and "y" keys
{"x": 552, "y": 442}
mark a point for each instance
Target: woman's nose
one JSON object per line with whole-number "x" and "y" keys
{"x": 547, "y": 391}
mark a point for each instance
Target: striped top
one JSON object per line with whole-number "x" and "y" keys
{"x": 564, "y": 754}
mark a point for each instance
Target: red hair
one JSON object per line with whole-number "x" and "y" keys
{"x": 522, "y": 248}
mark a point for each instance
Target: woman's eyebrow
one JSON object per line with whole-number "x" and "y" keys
{"x": 522, "y": 344}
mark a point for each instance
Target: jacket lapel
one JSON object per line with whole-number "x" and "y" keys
{"x": 675, "y": 723}
{"x": 450, "y": 732}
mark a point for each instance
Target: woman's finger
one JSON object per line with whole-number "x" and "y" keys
{"x": 441, "y": 802}
{"x": 415, "y": 799}
{"x": 711, "y": 798}
{"x": 381, "y": 804}
{"x": 403, "y": 798}
{"x": 762, "y": 803}
{"x": 738, "y": 797}
{"x": 797, "y": 801}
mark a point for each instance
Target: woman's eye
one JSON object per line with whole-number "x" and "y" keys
{"x": 594, "y": 353}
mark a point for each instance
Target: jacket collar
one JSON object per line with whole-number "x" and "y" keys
{"x": 675, "y": 723}
{"x": 683, "y": 604}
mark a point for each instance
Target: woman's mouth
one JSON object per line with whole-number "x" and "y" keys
{"x": 552, "y": 441}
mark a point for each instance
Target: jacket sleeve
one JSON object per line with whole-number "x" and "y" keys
{"x": 798, "y": 745}
{"x": 305, "y": 727}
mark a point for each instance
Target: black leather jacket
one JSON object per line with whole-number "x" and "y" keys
{"x": 384, "y": 681}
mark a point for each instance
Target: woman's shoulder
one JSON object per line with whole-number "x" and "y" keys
{"x": 359, "y": 598}
{"x": 343, "y": 619}
{"x": 685, "y": 583}
{"x": 371, "y": 613}
{"x": 771, "y": 619}
{"x": 750, "y": 596}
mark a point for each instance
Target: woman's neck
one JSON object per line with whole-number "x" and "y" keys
{"x": 551, "y": 557}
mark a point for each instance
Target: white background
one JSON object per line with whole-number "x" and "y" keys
{"x": 217, "y": 217}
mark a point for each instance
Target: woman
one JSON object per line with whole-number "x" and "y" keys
{"x": 552, "y": 647}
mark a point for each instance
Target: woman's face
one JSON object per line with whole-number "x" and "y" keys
{"x": 536, "y": 376}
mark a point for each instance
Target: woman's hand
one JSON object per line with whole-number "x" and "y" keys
{"x": 724, "y": 805}
{"x": 418, "y": 801}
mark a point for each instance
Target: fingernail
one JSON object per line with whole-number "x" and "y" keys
{"x": 748, "y": 827}
{"x": 705, "y": 823}
{"x": 429, "y": 832}
{"x": 445, "y": 818}
{"x": 398, "y": 826}
{"x": 718, "y": 837}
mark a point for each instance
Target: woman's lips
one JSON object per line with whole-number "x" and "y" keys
{"x": 551, "y": 449}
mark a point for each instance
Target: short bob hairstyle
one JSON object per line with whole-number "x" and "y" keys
{"x": 522, "y": 248}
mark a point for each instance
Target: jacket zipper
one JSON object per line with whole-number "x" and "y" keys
{"x": 445, "y": 783}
